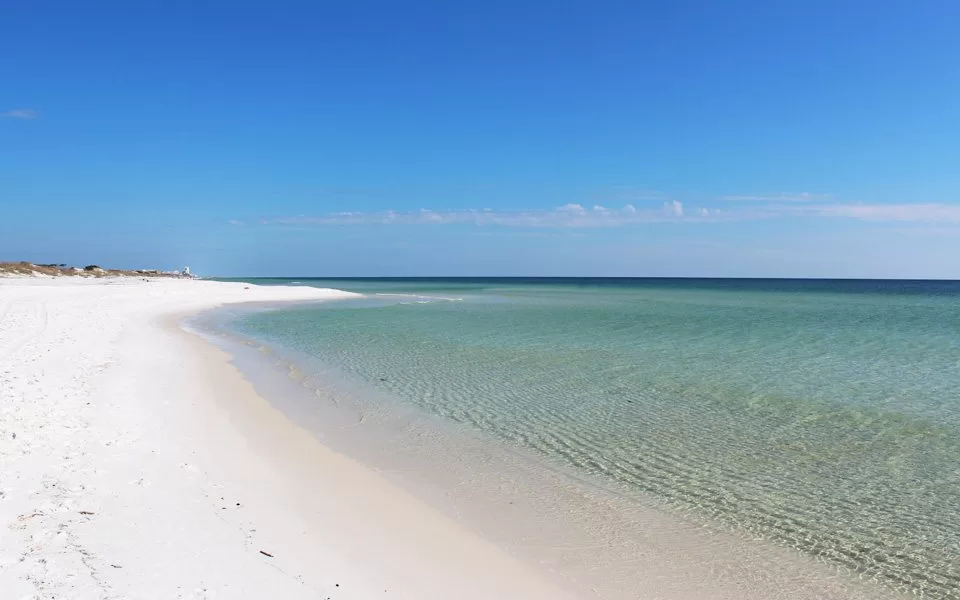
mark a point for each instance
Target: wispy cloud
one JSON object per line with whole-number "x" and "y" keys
{"x": 780, "y": 197}
{"x": 627, "y": 193}
{"x": 598, "y": 215}
{"x": 568, "y": 215}
{"x": 20, "y": 113}
{"x": 932, "y": 213}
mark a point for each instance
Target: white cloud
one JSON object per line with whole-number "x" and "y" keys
{"x": 569, "y": 215}
{"x": 20, "y": 113}
{"x": 673, "y": 208}
{"x": 783, "y": 206}
{"x": 575, "y": 209}
{"x": 429, "y": 216}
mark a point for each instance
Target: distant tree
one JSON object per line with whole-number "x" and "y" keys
{"x": 91, "y": 268}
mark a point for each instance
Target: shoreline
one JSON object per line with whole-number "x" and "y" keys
{"x": 591, "y": 539}
{"x": 138, "y": 463}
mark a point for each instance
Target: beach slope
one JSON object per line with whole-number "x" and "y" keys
{"x": 136, "y": 462}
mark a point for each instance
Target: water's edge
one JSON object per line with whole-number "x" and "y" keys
{"x": 602, "y": 542}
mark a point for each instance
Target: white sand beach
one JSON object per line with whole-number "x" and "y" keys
{"x": 136, "y": 462}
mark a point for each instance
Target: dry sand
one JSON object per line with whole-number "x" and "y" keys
{"x": 136, "y": 462}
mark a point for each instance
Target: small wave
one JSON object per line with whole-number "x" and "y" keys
{"x": 422, "y": 299}
{"x": 400, "y": 295}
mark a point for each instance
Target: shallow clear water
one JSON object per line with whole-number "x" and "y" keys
{"x": 824, "y": 416}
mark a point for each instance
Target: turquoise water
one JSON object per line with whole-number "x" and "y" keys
{"x": 824, "y": 416}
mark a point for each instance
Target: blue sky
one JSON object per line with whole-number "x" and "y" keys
{"x": 665, "y": 138}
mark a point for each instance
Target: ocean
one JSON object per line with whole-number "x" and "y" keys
{"x": 819, "y": 417}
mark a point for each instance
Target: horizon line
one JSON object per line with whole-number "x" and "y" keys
{"x": 595, "y": 277}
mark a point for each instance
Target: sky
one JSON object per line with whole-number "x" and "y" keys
{"x": 382, "y": 138}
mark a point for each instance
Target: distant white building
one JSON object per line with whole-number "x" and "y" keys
{"x": 186, "y": 272}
